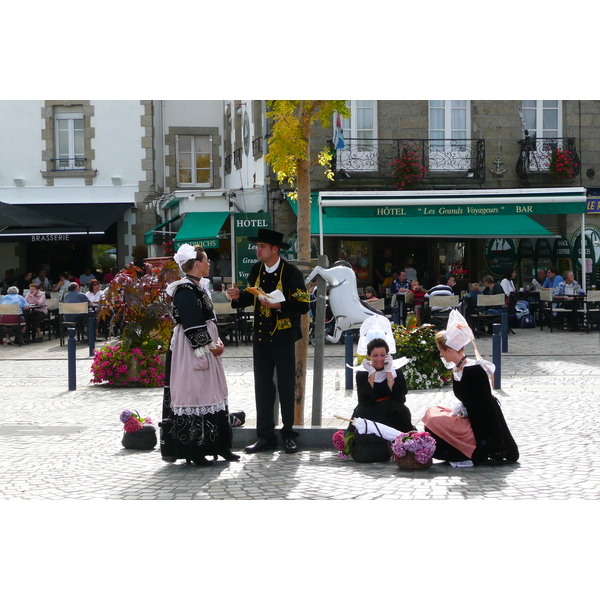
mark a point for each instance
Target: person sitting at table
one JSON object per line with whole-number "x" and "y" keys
{"x": 416, "y": 298}
{"x": 471, "y": 297}
{"x": 552, "y": 279}
{"x": 474, "y": 430}
{"x": 400, "y": 285}
{"x": 13, "y": 297}
{"x": 36, "y": 299}
{"x": 10, "y": 278}
{"x": 441, "y": 289}
{"x": 24, "y": 281}
{"x": 73, "y": 295}
{"x": 541, "y": 277}
{"x": 61, "y": 285}
{"x": 370, "y": 295}
{"x": 508, "y": 283}
{"x": 42, "y": 280}
{"x": 94, "y": 293}
{"x": 565, "y": 291}
{"x": 219, "y": 294}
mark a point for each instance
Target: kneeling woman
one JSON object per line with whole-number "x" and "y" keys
{"x": 195, "y": 415}
{"x": 381, "y": 389}
{"x": 476, "y": 430}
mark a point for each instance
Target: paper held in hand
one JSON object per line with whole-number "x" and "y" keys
{"x": 276, "y": 296}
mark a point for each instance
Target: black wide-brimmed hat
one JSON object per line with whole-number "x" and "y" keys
{"x": 268, "y": 236}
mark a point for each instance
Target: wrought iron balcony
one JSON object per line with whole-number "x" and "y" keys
{"x": 435, "y": 158}
{"x": 538, "y": 158}
{"x": 68, "y": 164}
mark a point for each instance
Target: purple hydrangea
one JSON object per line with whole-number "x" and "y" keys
{"x": 125, "y": 416}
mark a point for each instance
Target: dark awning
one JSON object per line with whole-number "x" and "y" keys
{"x": 59, "y": 219}
{"x": 149, "y": 235}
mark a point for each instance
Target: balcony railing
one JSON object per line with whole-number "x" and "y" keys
{"x": 440, "y": 158}
{"x": 538, "y": 158}
{"x": 68, "y": 164}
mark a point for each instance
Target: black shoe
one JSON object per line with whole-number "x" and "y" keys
{"x": 202, "y": 461}
{"x": 260, "y": 446}
{"x": 290, "y": 445}
{"x": 229, "y": 456}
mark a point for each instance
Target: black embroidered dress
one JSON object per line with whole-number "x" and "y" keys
{"x": 195, "y": 414}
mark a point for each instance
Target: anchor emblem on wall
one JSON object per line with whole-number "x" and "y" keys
{"x": 498, "y": 171}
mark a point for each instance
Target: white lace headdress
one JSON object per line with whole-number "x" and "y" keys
{"x": 185, "y": 253}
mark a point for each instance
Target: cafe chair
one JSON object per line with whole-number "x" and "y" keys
{"x": 11, "y": 328}
{"x": 592, "y": 309}
{"x": 245, "y": 322}
{"x": 480, "y": 314}
{"x": 226, "y": 322}
{"x": 49, "y": 325}
{"x": 437, "y": 317}
{"x": 72, "y": 308}
{"x": 552, "y": 315}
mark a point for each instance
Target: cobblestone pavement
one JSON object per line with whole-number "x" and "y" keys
{"x": 61, "y": 444}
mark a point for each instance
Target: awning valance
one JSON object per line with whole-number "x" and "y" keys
{"x": 348, "y": 222}
{"x": 149, "y": 235}
{"x": 201, "y": 229}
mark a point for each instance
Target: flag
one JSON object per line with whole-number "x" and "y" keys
{"x": 338, "y": 133}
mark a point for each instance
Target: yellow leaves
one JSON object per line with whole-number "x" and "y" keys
{"x": 289, "y": 143}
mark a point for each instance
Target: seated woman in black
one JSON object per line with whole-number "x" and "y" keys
{"x": 476, "y": 430}
{"x": 381, "y": 389}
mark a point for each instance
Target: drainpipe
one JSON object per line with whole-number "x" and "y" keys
{"x": 263, "y": 108}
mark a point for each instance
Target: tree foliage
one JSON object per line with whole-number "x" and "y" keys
{"x": 290, "y": 135}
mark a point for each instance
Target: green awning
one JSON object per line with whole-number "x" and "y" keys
{"x": 465, "y": 226}
{"x": 149, "y": 235}
{"x": 201, "y": 228}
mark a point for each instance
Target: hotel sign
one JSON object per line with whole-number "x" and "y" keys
{"x": 450, "y": 210}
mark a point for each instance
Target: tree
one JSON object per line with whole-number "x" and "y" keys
{"x": 289, "y": 157}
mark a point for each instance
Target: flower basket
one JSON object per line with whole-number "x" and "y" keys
{"x": 139, "y": 434}
{"x": 413, "y": 451}
{"x": 142, "y": 439}
{"x": 408, "y": 462}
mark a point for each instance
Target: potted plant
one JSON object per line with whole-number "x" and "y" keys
{"x": 136, "y": 305}
{"x": 562, "y": 164}
{"x": 413, "y": 451}
{"x": 408, "y": 169}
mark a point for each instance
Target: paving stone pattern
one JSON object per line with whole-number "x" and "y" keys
{"x": 61, "y": 444}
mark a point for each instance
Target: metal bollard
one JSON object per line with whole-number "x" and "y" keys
{"x": 92, "y": 330}
{"x": 349, "y": 355}
{"x": 505, "y": 329}
{"x": 71, "y": 357}
{"x": 497, "y": 355}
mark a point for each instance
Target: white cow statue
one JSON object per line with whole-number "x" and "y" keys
{"x": 347, "y": 308}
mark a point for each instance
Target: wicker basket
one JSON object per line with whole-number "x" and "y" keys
{"x": 408, "y": 462}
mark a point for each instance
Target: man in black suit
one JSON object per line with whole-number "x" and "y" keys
{"x": 276, "y": 330}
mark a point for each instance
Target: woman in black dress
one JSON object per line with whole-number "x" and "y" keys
{"x": 195, "y": 421}
{"x": 381, "y": 389}
{"x": 477, "y": 430}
